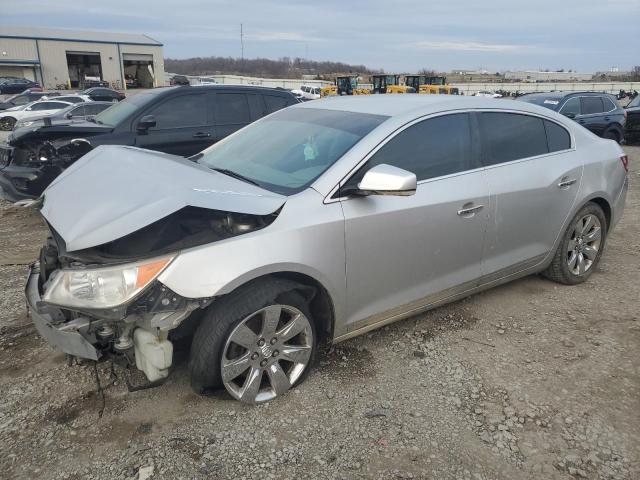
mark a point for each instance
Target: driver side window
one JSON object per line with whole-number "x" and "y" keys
{"x": 432, "y": 148}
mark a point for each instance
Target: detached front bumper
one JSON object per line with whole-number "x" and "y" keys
{"x": 49, "y": 321}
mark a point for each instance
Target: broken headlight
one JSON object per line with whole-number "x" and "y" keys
{"x": 104, "y": 287}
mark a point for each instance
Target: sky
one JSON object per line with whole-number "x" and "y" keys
{"x": 394, "y": 35}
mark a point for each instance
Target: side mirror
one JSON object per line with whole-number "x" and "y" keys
{"x": 569, "y": 115}
{"x": 146, "y": 122}
{"x": 388, "y": 180}
{"x": 69, "y": 116}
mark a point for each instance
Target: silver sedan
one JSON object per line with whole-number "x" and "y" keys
{"x": 316, "y": 224}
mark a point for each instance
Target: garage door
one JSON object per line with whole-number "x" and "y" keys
{"x": 137, "y": 57}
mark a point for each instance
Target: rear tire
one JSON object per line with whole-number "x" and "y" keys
{"x": 581, "y": 247}
{"x": 218, "y": 349}
{"x": 612, "y": 133}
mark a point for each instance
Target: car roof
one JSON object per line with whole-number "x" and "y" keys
{"x": 561, "y": 94}
{"x": 400, "y": 105}
{"x": 216, "y": 87}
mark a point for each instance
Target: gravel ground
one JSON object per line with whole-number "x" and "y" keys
{"x": 530, "y": 380}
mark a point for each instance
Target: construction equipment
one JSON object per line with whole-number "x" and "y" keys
{"x": 344, "y": 85}
{"x": 389, "y": 84}
{"x": 430, "y": 85}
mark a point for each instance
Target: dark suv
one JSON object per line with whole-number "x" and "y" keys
{"x": 177, "y": 120}
{"x": 632, "y": 127}
{"x": 599, "y": 112}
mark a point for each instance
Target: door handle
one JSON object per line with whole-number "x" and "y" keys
{"x": 566, "y": 183}
{"x": 469, "y": 210}
{"x": 201, "y": 135}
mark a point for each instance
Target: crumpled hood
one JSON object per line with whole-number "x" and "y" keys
{"x": 113, "y": 191}
{"x": 82, "y": 129}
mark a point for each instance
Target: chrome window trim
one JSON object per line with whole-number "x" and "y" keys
{"x": 580, "y": 97}
{"x": 392, "y": 135}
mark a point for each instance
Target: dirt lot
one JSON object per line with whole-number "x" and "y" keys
{"x": 531, "y": 380}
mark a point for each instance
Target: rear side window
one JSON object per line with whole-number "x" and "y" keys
{"x": 78, "y": 111}
{"x": 256, "y": 106}
{"x": 275, "y": 103}
{"x": 94, "y": 109}
{"x": 181, "y": 111}
{"x": 232, "y": 108}
{"x": 592, "y": 105}
{"x": 511, "y": 136}
{"x": 607, "y": 104}
{"x": 432, "y": 148}
{"x": 557, "y": 137}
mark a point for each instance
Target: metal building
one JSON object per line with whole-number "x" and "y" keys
{"x": 75, "y": 58}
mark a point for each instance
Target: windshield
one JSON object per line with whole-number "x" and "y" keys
{"x": 550, "y": 102}
{"x": 635, "y": 102}
{"x": 112, "y": 116}
{"x": 288, "y": 150}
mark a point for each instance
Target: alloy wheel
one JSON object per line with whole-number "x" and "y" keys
{"x": 584, "y": 244}
{"x": 266, "y": 353}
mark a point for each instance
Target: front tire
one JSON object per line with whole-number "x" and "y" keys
{"x": 258, "y": 344}
{"x": 7, "y": 123}
{"x": 580, "y": 248}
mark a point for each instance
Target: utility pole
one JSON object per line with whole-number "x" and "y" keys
{"x": 241, "y": 45}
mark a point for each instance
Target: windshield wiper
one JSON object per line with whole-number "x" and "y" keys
{"x": 233, "y": 174}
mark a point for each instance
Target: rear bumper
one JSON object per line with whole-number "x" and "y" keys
{"x": 48, "y": 320}
{"x": 619, "y": 204}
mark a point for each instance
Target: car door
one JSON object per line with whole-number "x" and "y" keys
{"x": 231, "y": 112}
{"x": 182, "y": 126}
{"x": 592, "y": 117}
{"x": 534, "y": 176}
{"x": 405, "y": 251}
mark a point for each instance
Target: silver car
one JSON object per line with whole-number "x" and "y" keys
{"x": 316, "y": 224}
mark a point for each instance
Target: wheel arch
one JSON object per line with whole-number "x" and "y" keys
{"x": 603, "y": 204}
{"x": 321, "y": 302}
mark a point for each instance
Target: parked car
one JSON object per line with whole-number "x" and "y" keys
{"x": 315, "y": 225}
{"x": 307, "y": 92}
{"x": 75, "y": 98}
{"x": 181, "y": 120}
{"x": 598, "y": 112}
{"x": 9, "y": 117}
{"x": 24, "y": 98}
{"x": 632, "y": 125}
{"x": 16, "y": 85}
{"x": 179, "y": 80}
{"x": 487, "y": 94}
{"x": 131, "y": 81}
{"x": 101, "y": 94}
{"x": 76, "y": 112}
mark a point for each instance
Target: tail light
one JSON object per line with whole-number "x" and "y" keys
{"x": 625, "y": 162}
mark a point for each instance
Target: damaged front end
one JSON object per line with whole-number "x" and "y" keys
{"x": 101, "y": 303}
{"x": 118, "y": 219}
{"x": 31, "y": 164}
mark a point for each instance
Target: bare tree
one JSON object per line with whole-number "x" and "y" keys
{"x": 284, "y": 67}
